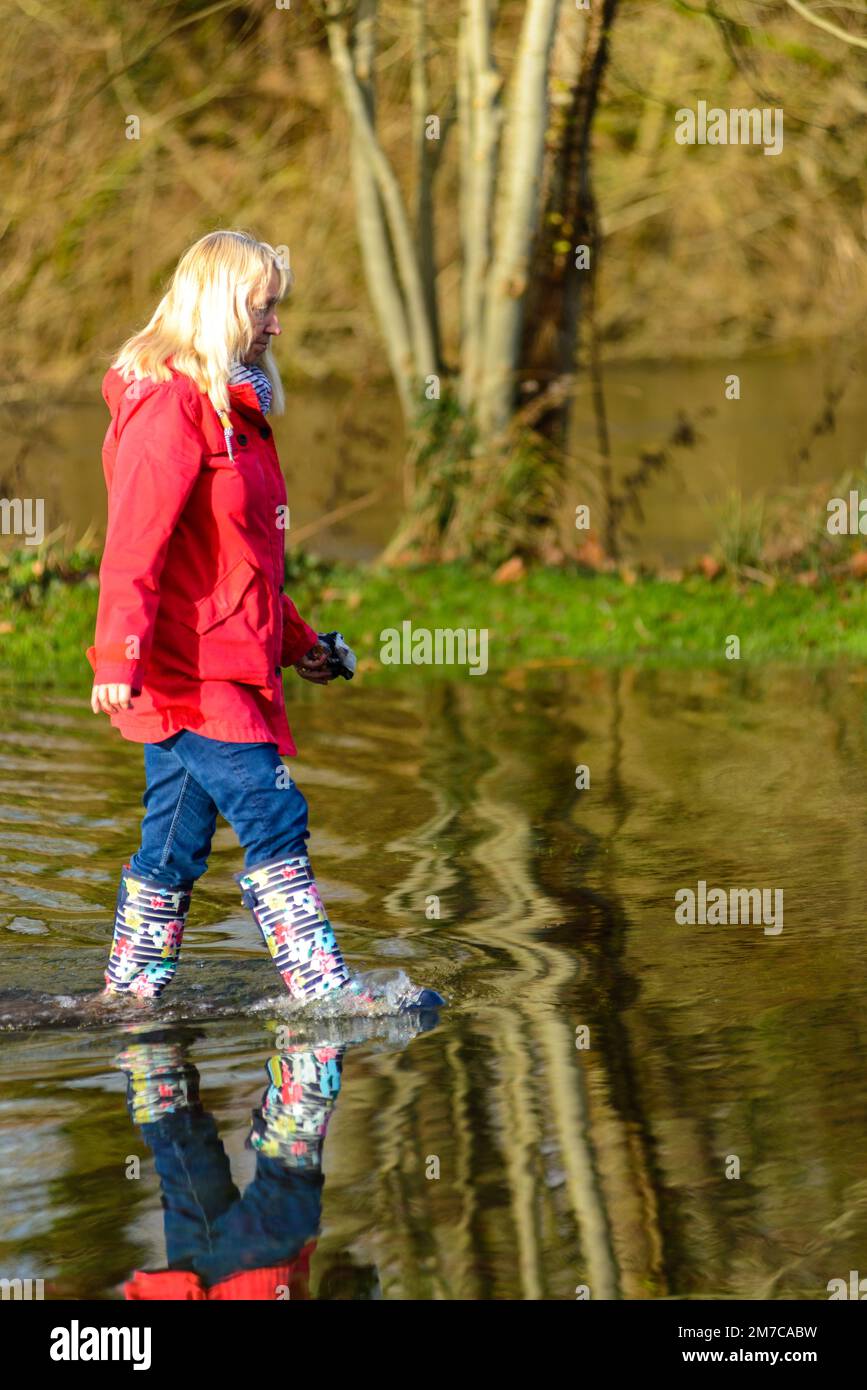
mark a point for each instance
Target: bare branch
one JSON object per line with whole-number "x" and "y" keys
{"x": 421, "y": 337}
{"x": 376, "y": 252}
{"x": 826, "y": 24}
{"x": 143, "y": 53}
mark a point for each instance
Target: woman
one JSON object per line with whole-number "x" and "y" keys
{"x": 194, "y": 627}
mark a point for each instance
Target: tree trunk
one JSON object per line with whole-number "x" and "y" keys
{"x": 515, "y": 217}
{"x": 479, "y": 121}
{"x": 479, "y": 480}
{"x": 424, "y": 169}
{"x": 569, "y": 221}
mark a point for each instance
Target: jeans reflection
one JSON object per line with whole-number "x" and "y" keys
{"x": 221, "y": 1244}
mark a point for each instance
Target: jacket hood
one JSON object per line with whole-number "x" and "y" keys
{"x": 116, "y": 392}
{"x": 124, "y": 397}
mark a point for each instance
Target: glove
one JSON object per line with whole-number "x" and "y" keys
{"x": 341, "y": 658}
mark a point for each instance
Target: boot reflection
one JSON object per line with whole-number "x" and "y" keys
{"x": 221, "y": 1244}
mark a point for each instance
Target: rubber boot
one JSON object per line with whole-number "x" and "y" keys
{"x": 285, "y": 901}
{"x": 161, "y": 1080}
{"x": 148, "y": 930}
{"x": 297, "y": 1106}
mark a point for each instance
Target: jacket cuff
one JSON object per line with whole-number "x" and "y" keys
{"x": 109, "y": 670}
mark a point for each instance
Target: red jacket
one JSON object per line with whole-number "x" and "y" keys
{"x": 192, "y": 613}
{"x": 289, "y": 1281}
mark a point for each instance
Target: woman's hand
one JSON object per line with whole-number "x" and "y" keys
{"x": 110, "y": 698}
{"x": 314, "y": 666}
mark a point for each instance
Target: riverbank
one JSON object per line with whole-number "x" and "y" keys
{"x": 554, "y": 617}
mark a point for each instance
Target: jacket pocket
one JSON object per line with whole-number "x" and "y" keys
{"x": 227, "y": 635}
{"x": 225, "y": 598}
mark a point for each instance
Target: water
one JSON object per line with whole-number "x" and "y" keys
{"x": 750, "y": 445}
{"x": 558, "y": 1167}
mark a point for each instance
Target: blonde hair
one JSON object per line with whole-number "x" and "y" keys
{"x": 203, "y": 320}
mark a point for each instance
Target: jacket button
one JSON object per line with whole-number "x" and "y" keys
{"x": 242, "y": 439}
{"x": 277, "y": 670}
{"x": 265, "y": 432}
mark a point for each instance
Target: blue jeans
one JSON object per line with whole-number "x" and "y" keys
{"x": 209, "y": 1227}
{"x": 190, "y": 779}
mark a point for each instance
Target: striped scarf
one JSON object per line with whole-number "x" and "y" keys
{"x": 242, "y": 373}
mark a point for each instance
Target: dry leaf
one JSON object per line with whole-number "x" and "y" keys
{"x": 591, "y": 555}
{"x": 510, "y": 571}
{"x": 710, "y": 567}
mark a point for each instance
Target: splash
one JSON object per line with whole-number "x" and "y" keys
{"x": 26, "y": 1011}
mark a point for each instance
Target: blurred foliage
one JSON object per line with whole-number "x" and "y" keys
{"x": 307, "y": 571}
{"x": 740, "y": 530}
{"x": 707, "y": 250}
{"x": 787, "y": 536}
{"x": 743, "y": 249}
{"x": 29, "y": 573}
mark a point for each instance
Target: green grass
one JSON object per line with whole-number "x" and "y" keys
{"x": 47, "y": 642}
{"x": 551, "y": 615}
{"x": 547, "y": 617}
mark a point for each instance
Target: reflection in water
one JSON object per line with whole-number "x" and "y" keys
{"x": 220, "y": 1244}
{"x": 493, "y": 1157}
